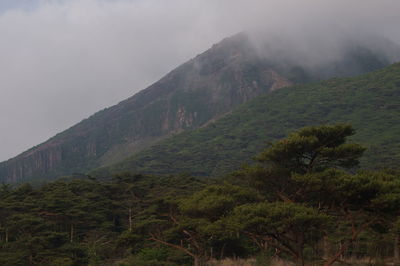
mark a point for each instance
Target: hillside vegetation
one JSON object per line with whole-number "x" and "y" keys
{"x": 301, "y": 203}
{"x": 371, "y": 103}
{"x": 199, "y": 91}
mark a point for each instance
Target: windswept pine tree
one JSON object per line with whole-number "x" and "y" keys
{"x": 303, "y": 201}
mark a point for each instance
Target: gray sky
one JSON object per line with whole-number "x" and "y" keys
{"x": 63, "y": 60}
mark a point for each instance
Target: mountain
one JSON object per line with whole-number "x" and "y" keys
{"x": 191, "y": 96}
{"x": 370, "y": 102}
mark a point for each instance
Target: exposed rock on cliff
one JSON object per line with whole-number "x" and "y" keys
{"x": 203, "y": 89}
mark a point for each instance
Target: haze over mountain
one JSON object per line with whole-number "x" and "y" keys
{"x": 370, "y": 102}
{"x": 199, "y": 91}
{"x": 64, "y": 60}
{"x": 277, "y": 145}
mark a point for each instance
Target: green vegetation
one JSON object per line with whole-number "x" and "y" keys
{"x": 199, "y": 91}
{"x": 301, "y": 202}
{"x": 84, "y": 221}
{"x": 371, "y": 103}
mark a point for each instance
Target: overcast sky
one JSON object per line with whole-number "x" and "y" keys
{"x": 63, "y": 60}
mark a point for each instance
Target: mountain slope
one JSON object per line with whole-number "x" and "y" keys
{"x": 371, "y": 103}
{"x": 199, "y": 91}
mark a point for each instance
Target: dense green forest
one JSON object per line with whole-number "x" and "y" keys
{"x": 369, "y": 102}
{"x": 303, "y": 201}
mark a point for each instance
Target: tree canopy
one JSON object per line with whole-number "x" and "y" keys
{"x": 303, "y": 200}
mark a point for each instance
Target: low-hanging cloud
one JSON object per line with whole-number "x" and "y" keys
{"x": 61, "y": 61}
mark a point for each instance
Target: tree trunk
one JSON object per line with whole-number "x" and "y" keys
{"x": 353, "y": 258}
{"x": 338, "y": 255}
{"x": 130, "y": 219}
{"x": 325, "y": 248}
{"x": 222, "y": 251}
{"x": 199, "y": 261}
{"x": 396, "y": 255}
{"x": 299, "y": 252}
{"x": 6, "y": 235}
{"x": 72, "y": 233}
{"x": 300, "y": 260}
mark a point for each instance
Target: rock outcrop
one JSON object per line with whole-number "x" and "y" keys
{"x": 203, "y": 89}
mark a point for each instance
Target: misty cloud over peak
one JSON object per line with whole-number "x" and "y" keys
{"x": 63, "y": 60}
{"x": 314, "y": 49}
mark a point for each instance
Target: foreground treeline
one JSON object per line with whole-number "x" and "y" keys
{"x": 302, "y": 202}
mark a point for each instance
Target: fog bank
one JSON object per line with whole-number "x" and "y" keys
{"x": 61, "y": 61}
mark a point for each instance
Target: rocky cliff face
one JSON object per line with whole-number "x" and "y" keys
{"x": 201, "y": 90}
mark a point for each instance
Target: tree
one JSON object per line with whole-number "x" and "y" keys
{"x": 308, "y": 170}
{"x": 130, "y": 194}
{"x": 314, "y": 149}
{"x": 286, "y": 227}
{"x": 194, "y": 226}
{"x": 310, "y": 150}
{"x": 358, "y": 202}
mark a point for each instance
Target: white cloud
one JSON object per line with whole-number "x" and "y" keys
{"x": 63, "y": 60}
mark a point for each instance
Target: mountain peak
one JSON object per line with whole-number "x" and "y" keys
{"x": 197, "y": 92}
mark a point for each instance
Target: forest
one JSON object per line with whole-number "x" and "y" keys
{"x": 303, "y": 200}
{"x": 370, "y": 102}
